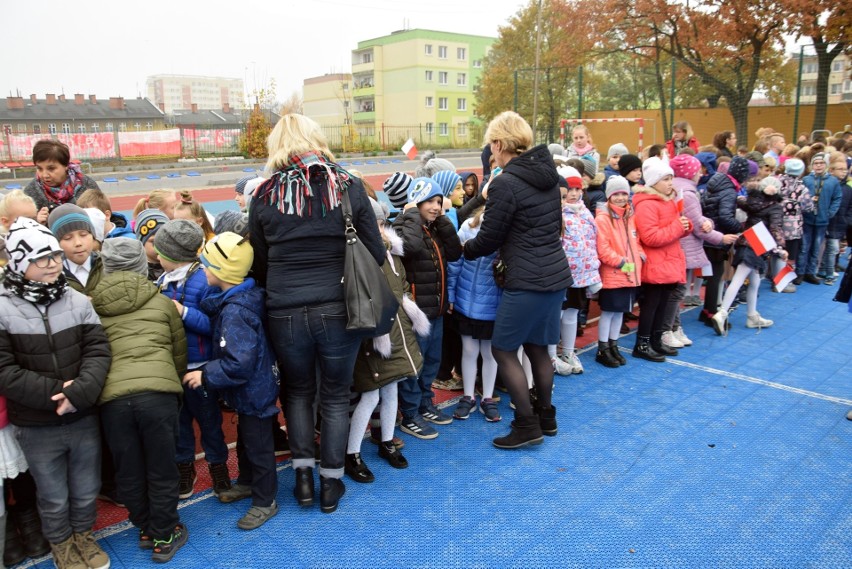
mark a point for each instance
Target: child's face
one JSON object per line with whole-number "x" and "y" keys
{"x": 150, "y": 252}
{"x": 764, "y": 171}
{"x": 457, "y": 195}
{"x": 665, "y": 185}
{"x": 240, "y": 199}
{"x": 619, "y": 199}
{"x": 470, "y": 187}
{"x": 77, "y": 245}
{"x": 45, "y": 269}
{"x": 613, "y": 161}
{"x": 169, "y": 266}
{"x": 16, "y": 209}
{"x": 431, "y": 209}
{"x": 839, "y": 170}
{"x": 169, "y": 206}
{"x": 573, "y": 195}
{"x": 51, "y": 172}
{"x": 634, "y": 175}
{"x": 579, "y": 137}
{"x": 678, "y": 134}
{"x": 818, "y": 167}
{"x": 212, "y": 279}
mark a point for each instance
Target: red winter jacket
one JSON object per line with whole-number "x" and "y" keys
{"x": 692, "y": 143}
{"x": 617, "y": 244}
{"x": 660, "y": 231}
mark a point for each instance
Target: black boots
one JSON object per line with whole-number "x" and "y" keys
{"x": 547, "y": 420}
{"x": 526, "y": 430}
{"x": 13, "y": 552}
{"x": 389, "y": 451}
{"x": 659, "y": 347}
{"x": 356, "y": 469}
{"x": 644, "y": 350}
{"x": 304, "y": 490}
{"x": 616, "y": 353}
{"x": 220, "y": 477}
{"x": 605, "y": 356}
{"x": 331, "y": 490}
{"x": 23, "y": 537}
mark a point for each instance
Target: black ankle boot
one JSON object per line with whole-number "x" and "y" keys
{"x": 526, "y": 430}
{"x": 659, "y": 347}
{"x": 547, "y": 420}
{"x": 29, "y": 526}
{"x": 616, "y": 353}
{"x": 644, "y": 350}
{"x": 389, "y": 452}
{"x": 331, "y": 490}
{"x": 304, "y": 490}
{"x": 13, "y": 552}
{"x": 356, "y": 469}
{"x": 604, "y": 356}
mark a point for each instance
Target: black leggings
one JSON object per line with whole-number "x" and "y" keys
{"x": 717, "y": 259}
{"x": 652, "y": 307}
{"x": 515, "y": 380}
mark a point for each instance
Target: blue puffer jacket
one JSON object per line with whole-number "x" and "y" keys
{"x": 827, "y": 189}
{"x": 122, "y": 227}
{"x": 719, "y": 203}
{"x": 191, "y": 292}
{"x": 470, "y": 284}
{"x": 243, "y": 366}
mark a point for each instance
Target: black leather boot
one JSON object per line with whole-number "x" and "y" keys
{"x": 616, "y": 353}
{"x": 304, "y": 490}
{"x": 392, "y": 454}
{"x": 547, "y": 420}
{"x": 659, "y": 347}
{"x": 604, "y": 356}
{"x": 29, "y": 526}
{"x": 13, "y": 550}
{"x": 526, "y": 430}
{"x": 331, "y": 490}
{"x": 644, "y": 350}
{"x": 357, "y": 469}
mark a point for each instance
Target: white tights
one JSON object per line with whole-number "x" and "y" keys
{"x": 361, "y": 415}
{"x": 742, "y": 273}
{"x": 471, "y": 350}
{"x": 609, "y": 326}
{"x": 569, "y": 333}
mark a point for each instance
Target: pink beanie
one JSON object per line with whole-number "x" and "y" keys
{"x": 685, "y": 166}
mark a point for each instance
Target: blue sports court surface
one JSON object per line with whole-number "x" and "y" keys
{"x": 737, "y": 453}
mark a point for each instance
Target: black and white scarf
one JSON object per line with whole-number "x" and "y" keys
{"x": 33, "y": 291}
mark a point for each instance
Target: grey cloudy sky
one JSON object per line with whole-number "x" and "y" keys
{"x": 108, "y": 48}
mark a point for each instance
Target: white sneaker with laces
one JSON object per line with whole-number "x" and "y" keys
{"x": 720, "y": 321}
{"x": 681, "y": 336}
{"x": 560, "y": 367}
{"x": 670, "y": 340}
{"x": 574, "y": 362}
{"x": 757, "y": 321}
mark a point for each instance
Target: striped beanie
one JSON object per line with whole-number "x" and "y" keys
{"x": 447, "y": 179}
{"x": 396, "y": 189}
{"x": 67, "y": 218}
{"x": 148, "y": 222}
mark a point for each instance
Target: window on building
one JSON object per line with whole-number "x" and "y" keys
{"x": 122, "y": 127}
{"x": 477, "y": 63}
{"x": 429, "y": 102}
{"x": 810, "y": 68}
{"x": 109, "y": 127}
{"x": 442, "y": 77}
{"x": 847, "y": 86}
{"x": 51, "y": 128}
{"x": 36, "y": 129}
{"x": 367, "y": 57}
{"x": 835, "y": 88}
{"x": 149, "y": 126}
{"x": 443, "y": 129}
{"x": 22, "y": 129}
{"x": 428, "y": 75}
{"x": 427, "y": 49}
{"x": 442, "y": 52}
{"x": 462, "y": 104}
{"x": 137, "y": 126}
{"x": 837, "y": 65}
{"x": 461, "y": 80}
{"x": 430, "y": 128}
{"x": 461, "y": 53}
{"x": 81, "y": 129}
{"x": 66, "y": 128}
{"x": 461, "y": 129}
{"x": 443, "y": 103}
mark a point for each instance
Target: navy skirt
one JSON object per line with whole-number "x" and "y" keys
{"x": 527, "y": 317}
{"x": 617, "y": 299}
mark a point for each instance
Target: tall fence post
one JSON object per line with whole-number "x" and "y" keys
{"x": 795, "y": 133}
{"x": 672, "y": 99}
{"x": 580, "y": 92}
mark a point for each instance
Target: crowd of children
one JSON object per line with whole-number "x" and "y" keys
{"x": 116, "y": 335}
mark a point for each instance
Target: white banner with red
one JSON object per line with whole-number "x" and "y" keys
{"x": 149, "y": 143}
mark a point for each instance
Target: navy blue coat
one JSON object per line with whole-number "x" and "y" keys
{"x": 843, "y": 217}
{"x": 243, "y": 366}
{"x": 196, "y": 322}
{"x": 719, "y": 203}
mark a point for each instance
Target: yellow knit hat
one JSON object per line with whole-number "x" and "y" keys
{"x": 228, "y": 256}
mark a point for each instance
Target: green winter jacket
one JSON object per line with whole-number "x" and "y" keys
{"x": 372, "y": 370}
{"x": 145, "y": 333}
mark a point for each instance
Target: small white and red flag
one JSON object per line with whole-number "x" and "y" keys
{"x": 784, "y": 277}
{"x": 410, "y": 149}
{"x": 759, "y": 238}
{"x": 705, "y": 271}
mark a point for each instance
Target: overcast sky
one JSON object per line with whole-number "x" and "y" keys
{"x": 108, "y": 48}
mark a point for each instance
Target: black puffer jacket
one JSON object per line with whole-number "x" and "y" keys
{"x": 523, "y": 221}
{"x": 427, "y": 248}
{"x": 766, "y": 208}
{"x": 719, "y": 203}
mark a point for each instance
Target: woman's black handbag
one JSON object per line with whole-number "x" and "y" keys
{"x": 844, "y": 293}
{"x": 370, "y": 303}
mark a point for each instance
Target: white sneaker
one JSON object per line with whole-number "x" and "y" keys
{"x": 720, "y": 320}
{"x": 681, "y": 337}
{"x": 670, "y": 340}
{"x": 757, "y": 321}
{"x": 560, "y": 367}
{"x": 573, "y": 361}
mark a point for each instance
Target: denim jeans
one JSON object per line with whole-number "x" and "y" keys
{"x": 812, "y": 236}
{"x": 415, "y": 393}
{"x": 203, "y": 406}
{"x": 312, "y": 343}
{"x": 256, "y": 458}
{"x": 141, "y": 431}
{"x": 829, "y": 257}
{"x": 65, "y": 461}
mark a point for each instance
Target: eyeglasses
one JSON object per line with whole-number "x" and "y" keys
{"x": 44, "y": 262}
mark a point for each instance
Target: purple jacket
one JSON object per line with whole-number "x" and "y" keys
{"x": 693, "y": 244}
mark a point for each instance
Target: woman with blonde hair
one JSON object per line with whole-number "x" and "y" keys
{"x": 682, "y": 137}
{"x": 524, "y": 223}
{"x": 297, "y": 231}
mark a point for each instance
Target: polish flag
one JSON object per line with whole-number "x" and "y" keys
{"x": 759, "y": 238}
{"x": 705, "y": 271}
{"x": 784, "y": 277}
{"x": 410, "y": 149}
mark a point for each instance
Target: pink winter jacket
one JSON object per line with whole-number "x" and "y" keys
{"x": 693, "y": 244}
{"x": 618, "y": 243}
{"x": 660, "y": 231}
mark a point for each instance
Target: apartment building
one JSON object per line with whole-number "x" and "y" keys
{"x": 175, "y": 92}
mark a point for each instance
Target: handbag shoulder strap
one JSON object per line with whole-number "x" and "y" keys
{"x": 347, "y": 212}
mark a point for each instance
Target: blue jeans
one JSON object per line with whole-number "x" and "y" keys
{"x": 415, "y": 393}
{"x": 141, "y": 431}
{"x": 65, "y": 461}
{"x": 829, "y": 257}
{"x": 256, "y": 458}
{"x": 203, "y": 406}
{"x": 312, "y": 342}
{"x": 812, "y": 236}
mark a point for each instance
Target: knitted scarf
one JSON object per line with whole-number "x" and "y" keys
{"x": 35, "y": 292}
{"x": 65, "y": 192}
{"x": 289, "y": 189}
{"x": 583, "y": 150}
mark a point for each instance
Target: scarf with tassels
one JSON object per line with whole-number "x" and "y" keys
{"x": 65, "y": 192}
{"x": 289, "y": 189}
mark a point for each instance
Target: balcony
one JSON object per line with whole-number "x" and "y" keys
{"x": 364, "y": 116}
{"x": 364, "y": 91}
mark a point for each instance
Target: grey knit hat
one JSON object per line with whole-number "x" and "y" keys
{"x": 380, "y": 209}
{"x": 179, "y": 241}
{"x": 430, "y": 165}
{"x": 230, "y": 220}
{"x": 590, "y": 166}
{"x": 618, "y": 149}
{"x": 67, "y": 218}
{"x": 396, "y": 189}
{"x": 123, "y": 254}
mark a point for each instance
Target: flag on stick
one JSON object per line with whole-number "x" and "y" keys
{"x": 784, "y": 277}
{"x": 410, "y": 149}
{"x": 705, "y": 271}
{"x": 759, "y": 238}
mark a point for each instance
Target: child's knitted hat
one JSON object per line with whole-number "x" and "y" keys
{"x": 396, "y": 189}
{"x": 627, "y": 163}
{"x": 148, "y": 222}
{"x": 590, "y": 166}
{"x": 228, "y": 256}
{"x": 27, "y": 241}
{"x": 67, "y": 218}
{"x": 571, "y": 175}
{"x": 179, "y": 240}
{"x": 654, "y": 170}
{"x": 794, "y": 167}
{"x": 738, "y": 169}
{"x": 616, "y": 185}
{"x": 447, "y": 179}
{"x": 121, "y": 254}
{"x": 617, "y": 149}
{"x": 685, "y": 166}
{"x": 98, "y": 219}
{"x": 423, "y": 189}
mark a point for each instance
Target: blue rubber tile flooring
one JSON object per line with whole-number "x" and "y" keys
{"x": 737, "y": 454}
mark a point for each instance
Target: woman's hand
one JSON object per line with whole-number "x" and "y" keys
{"x": 192, "y": 379}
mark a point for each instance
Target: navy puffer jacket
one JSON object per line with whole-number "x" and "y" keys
{"x": 524, "y": 220}
{"x": 719, "y": 203}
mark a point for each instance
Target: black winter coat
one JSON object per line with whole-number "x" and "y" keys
{"x": 843, "y": 217}
{"x": 427, "y": 248}
{"x": 766, "y": 208}
{"x": 719, "y": 203}
{"x": 524, "y": 221}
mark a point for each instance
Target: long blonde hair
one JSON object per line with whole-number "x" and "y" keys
{"x": 155, "y": 200}
{"x": 294, "y": 135}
